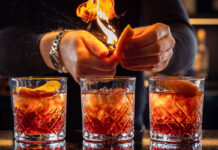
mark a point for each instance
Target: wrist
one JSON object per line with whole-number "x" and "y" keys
{"x": 55, "y": 54}
{"x": 45, "y": 47}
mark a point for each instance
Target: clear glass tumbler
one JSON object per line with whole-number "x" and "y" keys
{"x": 39, "y": 106}
{"x": 175, "y": 146}
{"x": 127, "y": 145}
{"x": 176, "y": 105}
{"x": 60, "y": 145}
{"x": 108, "y": 108}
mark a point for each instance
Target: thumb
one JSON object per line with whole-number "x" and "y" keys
{"x": 95, "y": 46}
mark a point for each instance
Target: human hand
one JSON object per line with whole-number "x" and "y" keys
{"x": 84, "y": 55}
{"x": 149, "y": 49}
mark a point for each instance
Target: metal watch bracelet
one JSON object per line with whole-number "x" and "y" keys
{"x": 55, "y": 53}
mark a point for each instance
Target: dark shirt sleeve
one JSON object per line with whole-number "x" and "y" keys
{"x": 22, "y": 25}
{"x": 172, "y": 13}
{"x": 20, "y": 54}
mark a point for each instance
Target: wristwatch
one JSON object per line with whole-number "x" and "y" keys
{"x": 55, "y": 53}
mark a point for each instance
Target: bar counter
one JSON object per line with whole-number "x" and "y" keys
{"x": 74, "y": 141}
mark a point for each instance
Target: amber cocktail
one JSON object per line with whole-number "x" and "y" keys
{"x": 176, "y": 108}
{"x": 39, "y": 109}
{"x": 108, "y": 108}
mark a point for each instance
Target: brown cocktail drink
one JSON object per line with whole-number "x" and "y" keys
{"x": 40, "y": 111}
{"x": 176, "y": 108}
{"x": 108, "y": 111}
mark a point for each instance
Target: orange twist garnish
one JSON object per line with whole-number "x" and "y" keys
{"x": 125, "y": 36}
{"x": 180, "y": 86}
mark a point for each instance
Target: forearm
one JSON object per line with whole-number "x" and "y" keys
{"x": 172, "y": 13}
{"x": 45, "y": 47}
{"x": 184, "y": 51}
{"x": 20, "y": 54}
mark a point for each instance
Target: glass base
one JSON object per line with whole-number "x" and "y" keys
{"x": 121, "y": 145}
{"x": 175, "y": 138}
{"x": 29, "y": 138}
{"x": 100, "y": 137}
{"x": 169, "y": 146}
{"x": 48, "y": 146}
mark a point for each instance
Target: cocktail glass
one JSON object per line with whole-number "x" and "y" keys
{"x": 60, "y": 145}
{"x": 128, "y": 145}
{"x": 176, "y": 108}
{"x": 39, "y": 106}
{"x": 175, "y": 146}
{"x": 108, "y": 108}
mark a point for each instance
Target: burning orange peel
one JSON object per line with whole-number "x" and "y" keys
{"x": 88, "y": 10}
{"x": 47, "y": 88}
{"x": 125, "y": 36}
{"x": 180, "y": 86}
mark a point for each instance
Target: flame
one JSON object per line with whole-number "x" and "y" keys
{"x": 99, "y": 10}
{"x": 88, "y": 10}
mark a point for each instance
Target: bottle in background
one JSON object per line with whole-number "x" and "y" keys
{"x": 202, "y": 58}
{"x": 215, "y": 5}
{"x": 190, "y": 6}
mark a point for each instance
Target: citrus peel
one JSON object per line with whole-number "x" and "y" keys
{"x": 49, "y": 88}
{"x": 125, "y": 36}
{"x": 180, "y": 86}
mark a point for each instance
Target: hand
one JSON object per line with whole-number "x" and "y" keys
{"x": 150, "y": 49}
{"x": 84, "y": 55}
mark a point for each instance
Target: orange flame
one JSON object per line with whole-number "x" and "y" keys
{"x": 88, "y": 10}
{"x": 99, "y": 10}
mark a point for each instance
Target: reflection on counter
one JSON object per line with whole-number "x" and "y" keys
{"x": 40, "y": 146}
{"x": 176, "y": 146}
{"x": 127, "y": 145}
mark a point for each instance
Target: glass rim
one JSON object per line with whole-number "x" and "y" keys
{"x": 188, "y": 78}
{"x": 39, "y": 78}
{"x": 108, "y": 78}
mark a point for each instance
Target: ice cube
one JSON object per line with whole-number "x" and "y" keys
{"x": 92, "y": 100}
{"x": 102, "y": 114}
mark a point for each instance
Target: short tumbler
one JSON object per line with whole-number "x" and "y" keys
{"x": 108, "y": 108}
{"x": 176, "y": 108}
{"x": 39, "y": 106}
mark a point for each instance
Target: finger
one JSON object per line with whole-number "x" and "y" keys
{"x": 91, "y": 61}
{"x": 166, "y": 55}
{"x": 150, "y": 35}
{"x": 160, "y": 67}
{"x": 150, "y": 50}
{"x": 140, "y": 62}
{"x": 149, "y": 68}
{"x": 95, "y": 46}
{"x": 147, "y": 61}
{"x": 112, "y": 59}
{"x": 89, "y": 72}
{"x": 156, "y": 68}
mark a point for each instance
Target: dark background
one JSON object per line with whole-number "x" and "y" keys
{"x": 202, "y": 9}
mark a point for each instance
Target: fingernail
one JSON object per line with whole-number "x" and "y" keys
{"x": 114, "y": 59}
{"x": 104, "y": 54}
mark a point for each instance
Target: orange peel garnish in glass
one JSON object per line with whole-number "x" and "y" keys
{"x": 50, "y": 86}
{"x": 180, "y": 86}
{"x": 48, "y": 89}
